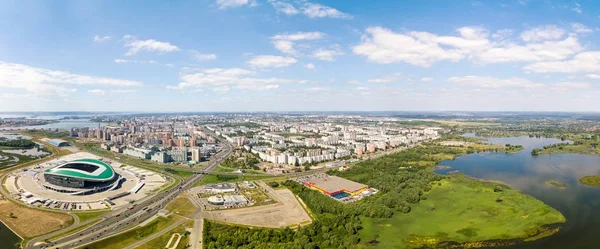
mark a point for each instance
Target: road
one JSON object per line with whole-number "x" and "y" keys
{"x": 123, "y": 219}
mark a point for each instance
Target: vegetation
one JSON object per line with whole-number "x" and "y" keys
{"x": 556, "y": 184}
{"x": 465, "y": 211}
{"x": 127, "y": 238}
{"x": 17, "y": 143}
{"x": 84, "y": 216}
{"x": 181, "y": 206}
{"x": 161, "y": 241}
{"x": 29, "y": 222}
{"x": 414, "y": 208}
{"x": 590, "y": 180}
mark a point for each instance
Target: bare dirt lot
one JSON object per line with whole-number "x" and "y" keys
{"x": 287, "y": 212}
{"x": 28, "y": 222}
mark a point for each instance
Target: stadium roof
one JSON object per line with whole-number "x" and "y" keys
{"x": 87, "y": 169}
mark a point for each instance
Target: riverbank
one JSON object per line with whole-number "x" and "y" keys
{"x": 464, "y": 211}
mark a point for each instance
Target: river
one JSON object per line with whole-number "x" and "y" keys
{"x": 580, "y": 204}
{"x": 61, "y": 125}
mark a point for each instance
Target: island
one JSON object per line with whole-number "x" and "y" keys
{"x": 556, "y": 184}
{"x": 590, "y": 180}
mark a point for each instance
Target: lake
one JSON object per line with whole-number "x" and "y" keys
{"x": 8, "y": 239}
{"x": 580, "y": 204}
{"x": 62, "y": 125}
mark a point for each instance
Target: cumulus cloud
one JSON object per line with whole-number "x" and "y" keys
{"x": 39, "y": 81}
{"x": 580, "y": 28}
{"x": 327, "y": 54}
{"x": 543, "y": 33}
{"x": 150, "y": 45}
{"x": 309, "y": 66}
{"x": 101, "y": 38}
{"x": 426, "y": 79}
{"x": 585, "y": 62}
{"x": 285, "y": 42}
{"x": 267, "y": 61}
{"x": 224, "y": 4}
{"x": 220, "y": 78}
{"x": 202, "y": 57}
{"x": 593, "y": 76}
{"x": 423, "y": 49}
{"x": 97, "y": 92}
{"x": 315, "y": 10}
{"x": 285, "y": 8}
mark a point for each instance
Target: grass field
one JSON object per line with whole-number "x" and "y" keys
{"x": 162, "y": 240}
{"x": 556, "y": 184}
{"x": 130, "y": 237}
{"x": 83, "y": 216}
{"x": 181, "y": 206}
{"x": 29, "y": 222}
{"x": 461, "y": 210}
{"x": 590, "y": 180}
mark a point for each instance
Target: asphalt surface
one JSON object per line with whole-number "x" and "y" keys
{"x": 124, "y": 219}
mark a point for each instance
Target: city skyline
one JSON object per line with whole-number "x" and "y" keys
{"x": 275, "y": 55}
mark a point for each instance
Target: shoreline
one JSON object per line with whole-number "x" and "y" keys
{"x": 12, "y": 230}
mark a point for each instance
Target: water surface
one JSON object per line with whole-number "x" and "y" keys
{"x": 580, "y": 204}
{"x": 8, "y": 239}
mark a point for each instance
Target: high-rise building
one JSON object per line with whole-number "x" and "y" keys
{"x": 196, "y": 154}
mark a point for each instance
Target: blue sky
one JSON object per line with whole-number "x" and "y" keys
{"x": 277, "y": 55}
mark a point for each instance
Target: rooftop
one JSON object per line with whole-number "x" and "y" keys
{"x": 333, "y": 183}
{"x": 89, "y": 169}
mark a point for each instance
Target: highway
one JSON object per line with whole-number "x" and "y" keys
{"x": 124, "y": 219}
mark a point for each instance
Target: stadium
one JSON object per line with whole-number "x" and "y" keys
{"x": 79, "y": 177}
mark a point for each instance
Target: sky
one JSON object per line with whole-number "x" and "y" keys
{"x": 299, "y": 55}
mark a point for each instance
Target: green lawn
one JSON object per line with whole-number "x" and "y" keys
{"x": 556, "y": 184}
{"x": 461, "y": 210}
{"x": 181, "y": 206}
{"x": 590, "y": 180}
{"x": 130, "y": 237}
{"x": 83, "y": 216}
{"x": 161, "y": 241}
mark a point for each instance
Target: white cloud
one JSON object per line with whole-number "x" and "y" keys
{"x": 41, "y": 81}
{"x": 309, "y": 66}
{"x": 386, "y": 79}
{"x": 327, "y": 54}
{"x": 97, "y": 92}
{"x": 543, "y": 33}
{"x": 577, "y": 8}
{"x": 423, "y": 49}
{"x": 224, "y": 4}
{"x": 221, "y": 89}
{"x": 582, "y": 62}
{"x": 285, "y": 42}
{"x": 286, "y": 8}
{"x": 150, "y": 45}
{"x": 265, "y": 61}
{"x": 580, "y": 28}
{"x": 101, "y": 38}
{"x": 530, "y": 52}
{"x": 202, "y": 57}
{"x": 316, "y": 89}
{"x": 419, "y": 48}
{"x": 120, "y": 61}
{"x": 353, "y": 82}
{"x": 491, "y": 82}
{"x": 237, "y": 78}
{"x": 593, "y": 76}
{"x": 502, "y": 34}
{"x": 315, "y": 10}
{"x": 426, "y": 79}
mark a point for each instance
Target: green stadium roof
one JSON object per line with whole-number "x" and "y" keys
{"x": 104, "y": 172}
